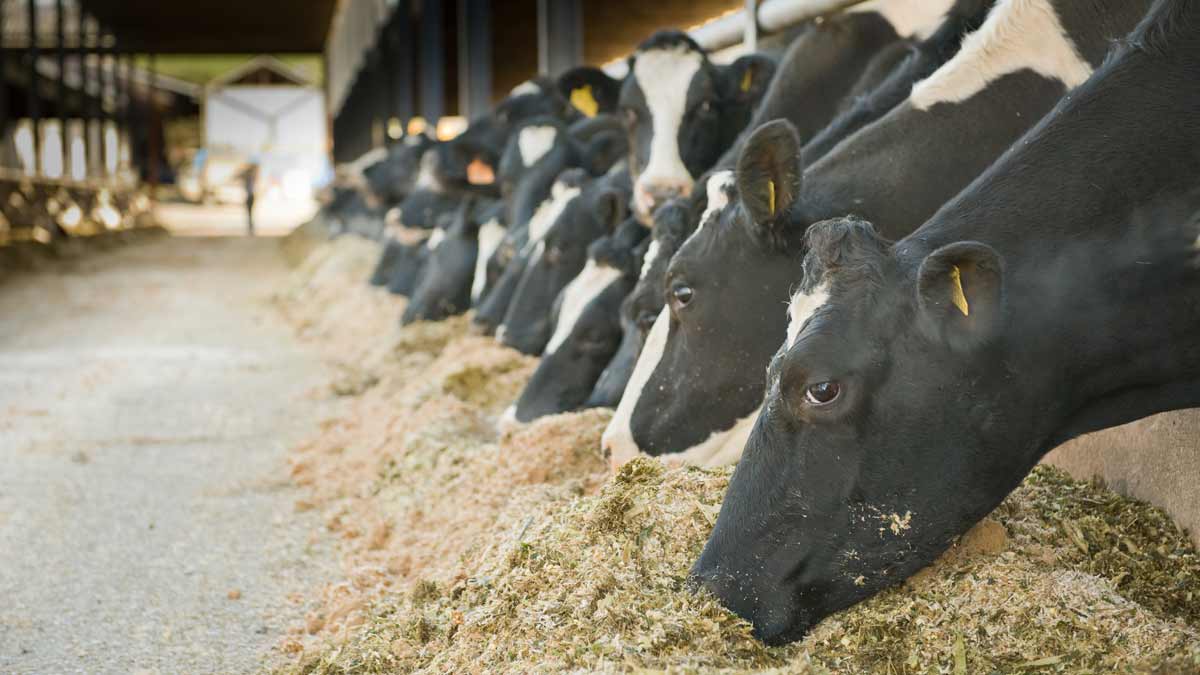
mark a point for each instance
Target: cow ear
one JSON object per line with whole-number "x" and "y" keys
{"x": 604, "y": 150}
{"x": 749, "y": 77}
{"x": 590, "y": 90}
{"x": 960, "y": 290}
{"x": 611, "y": 208}
{"x": 769, "y": 171}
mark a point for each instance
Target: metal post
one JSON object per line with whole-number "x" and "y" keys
{"x": 474, "y": 57}
{"x": 750, "y": 34}
{"x": 35, "y": 108}
{"x": 81, "y": 62}
{"x": 127, "y": 109}
{"x": 91, "y": 76}
{"x": 432, "y": 63}
{"x": 104, "y": 55}
{"x": 403, "y": 61}
{"x": 60, "y": 25}
{"x": 4, "y": 111}
{"x": 560, "y": 35}
{"x": 155, "y": 130}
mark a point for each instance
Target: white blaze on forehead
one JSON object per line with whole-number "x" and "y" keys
{"x": 549, "y": 210}
{"x": 534, "y": 142}
{"x": 526, "y": 87}
{"x": 802, "y": 307}
{"x": 394, "y": 217}
{"x": 721, "y": 448}
{"x": 664, "y": 76}
{"x": 577, "y": 296}
{"x": 1018, "y": 35}
{"x": 426, "y": 179}
{"x": 490, "y": 235}
{"x": 718, "y": 188}
{"x": 618, "y": 436}
{"x": 649, "y": 258}
{"x": 436, "y": 238}
{"x": 919, "y": 18}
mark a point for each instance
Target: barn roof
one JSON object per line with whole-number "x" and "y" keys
{"x": 218, "y": 26}
{"x": 262, "y": 70}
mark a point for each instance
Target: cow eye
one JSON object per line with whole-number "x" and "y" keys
{"x": 705, "y": 108}
{"x": 823, "y": 393}
{"x": 682, "y": 295}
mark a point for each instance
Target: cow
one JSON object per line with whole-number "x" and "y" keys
{"x": 447, "y": 280}
{"x": 639, "y": 309}
{"x": 921, "y": 59}
{"x": 920, "y": 382}
{"x": 406, "y": 231}
{"x": 586, "y": 327}
{"x": 681, "y": 111}
{"x": 394, "y": 177}
{"x": 539, "y": 152}
{"x": 587, "y": 209}
{"x": 697, "y": 387}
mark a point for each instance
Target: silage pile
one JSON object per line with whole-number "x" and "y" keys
{"x": 466, "y": 552}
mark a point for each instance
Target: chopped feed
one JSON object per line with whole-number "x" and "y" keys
{"x": 469, "y": 552}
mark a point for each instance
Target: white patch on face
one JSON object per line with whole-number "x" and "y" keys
{"x": 577, "y": 296}
{"x": 526, "y": 87}
{"x": 534, "y": 142}
{"x": 718, "y": 197}
{"x": 721, "y": 448}
{"x": 909, "y": 18}
{"x": 393, "y": 218}
{"x": 649, "y": 258}
{"x": 426, "y": 179}
{"x": 802, "y": 307}
{"x": 1018, "y": 35}
{"x": 490, "y": 235}
{"x": 664, "y": 76}
{"x": 548, "y": 211}
{"x": 435, "y": 239}
{"x": 501, "y": 332}
{"x": 618, "y": 436}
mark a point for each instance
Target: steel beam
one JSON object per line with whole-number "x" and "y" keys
{"x": 432, "y": 62}
{"x": 474, "y": 57}
{"x": 34, "y": 95}
{"x": 560, "y": 35}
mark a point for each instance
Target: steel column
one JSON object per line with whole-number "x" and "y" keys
{"x": 432, "y": 62}
{"x": 35, "y": 104}
{"x": 474, "y": 58}
{"x": 403, "y": 60}
{"x": 560, "y": 35}
{"x": 64, "y": 115}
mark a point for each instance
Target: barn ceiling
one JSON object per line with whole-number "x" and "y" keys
{"x": 218, "y": 26}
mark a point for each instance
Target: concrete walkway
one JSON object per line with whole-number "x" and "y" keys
{"x": 147, "y": 399}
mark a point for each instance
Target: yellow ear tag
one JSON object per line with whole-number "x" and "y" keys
{"x": 957, "y": 296}
{"x": 583, "y": 99}
{"x": 771, "y": 196}
{"x": 747, "y": 80}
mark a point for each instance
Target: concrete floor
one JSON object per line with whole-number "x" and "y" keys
{"x": 147, "y": 399}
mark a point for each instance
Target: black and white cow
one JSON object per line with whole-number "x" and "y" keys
{"x": 539, "y": 152}
{"x": 923, "y": 57}
{"x": 581, "y": 210}
{"x": 406, "y": 234}
{"x": 642, "y": 305}
{"x": 681, "y": 112}
{"x": 587, "y": 331}
{"x": 921, "y": 382}
{"x": 696, "y": 390}
{"x": 393, "y": 178}
{"x": 447, "y": 281}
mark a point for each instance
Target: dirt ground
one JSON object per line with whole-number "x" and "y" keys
{"x": 147, "y": 399}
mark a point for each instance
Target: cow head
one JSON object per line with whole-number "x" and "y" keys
{"x": 446, "y": 283}
{"x": 641, "y": 307}
{"x": 917, "y": 386}
{"x": 698, "y": 381}
{"x": 587, "y": 331}
{"x": 393, "y": 178}
{"x": 681, "y": 112}
{"x": 580, "y": 211}
{"x": 590, "y": 90}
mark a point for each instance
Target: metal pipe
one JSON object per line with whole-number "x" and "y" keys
{"x": 60, "y": 25}
{"x": 35, "y": 111}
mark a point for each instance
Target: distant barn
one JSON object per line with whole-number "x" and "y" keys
{"x": 268, "y": 113}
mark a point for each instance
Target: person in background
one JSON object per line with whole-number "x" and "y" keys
{"x": 250, "y": 182}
